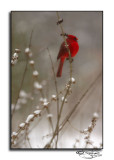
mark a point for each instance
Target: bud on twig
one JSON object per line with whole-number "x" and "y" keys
{"x": 65, "y": 34}
{"x": 59, "y": 21}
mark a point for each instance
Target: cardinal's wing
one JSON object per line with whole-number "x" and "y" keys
{"x": 62, "y": 50}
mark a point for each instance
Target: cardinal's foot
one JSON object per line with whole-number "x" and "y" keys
{"x": 70, "y": 60}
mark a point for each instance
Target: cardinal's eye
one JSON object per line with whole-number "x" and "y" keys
{"x": 75, "y": 39}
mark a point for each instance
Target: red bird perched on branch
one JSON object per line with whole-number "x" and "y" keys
{"x": 63, "y": 52}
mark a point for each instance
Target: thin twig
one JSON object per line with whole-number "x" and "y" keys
{"x": 41, "y": 92}
{"x": 77, "y": 104}
{"x": 50, "y": 119}
{"x": 23, "y": 76}
{"x": 59, "y": 116}
{"x": 66, "y": 119}
{"x": 30, "y": 39}
{"x": 63, "y": 35}
{"x": 47, "y": 109}
{"x": 56, "y": 133}
{"x": 73, "y": 126}
{"x": 56, "y": 88}
{"x": 26, "y": 126}
{"x": 20, "y": 86}
{"x": 27, "y": 138}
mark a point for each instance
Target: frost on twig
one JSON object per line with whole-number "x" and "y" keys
{"x": 30, "y": 118}
{"x": 87, "y": 132}
{"x": 53, "y": 97}
{"x": 31, "y": 62}
{"x": 59, "y": 21}
{"x": 37, "y": 86}
{"x": 46, "y": 104}
{"x": 92, "y": 124}
{"x": 14, "y": 59}
{"x": 35, "y": 73}
{"x": 64, "y": 99}
{"x": 24, "y": 125}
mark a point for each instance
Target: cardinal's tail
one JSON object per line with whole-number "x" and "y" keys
{"x": 59, "y": 72}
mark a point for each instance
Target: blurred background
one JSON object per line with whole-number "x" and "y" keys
{"x": 87, "y": 65}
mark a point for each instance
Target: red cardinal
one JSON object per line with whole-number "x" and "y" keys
{"x": 63, "y": 52}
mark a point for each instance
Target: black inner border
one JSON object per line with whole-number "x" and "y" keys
{"x": 10, "y": 82}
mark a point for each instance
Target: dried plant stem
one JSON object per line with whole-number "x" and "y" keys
{"x": 66, "y": 119}
{"x": 77, "y": 104}
{"x": 57, "y": 126}
{"x": 30, "y": 39}
{"x": 69, "y": 85}
{"x": 100, "y": 102}
{"x": 86, "y": 144}
{"x": 20, "y": 86}
{"x": 73, "y": 126}
{"x": 63, "y": 34}
{"x": 26, "y": 126}
{"x": 27, "y": 138}
{"x": 50, "y": 119}
{"x": 41, "y": 92}
{"x": 59, "y": 115}
{"x": 23, "y": 76}
{"x": 47, "y": 109}
{"x": 56, "y": 88}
